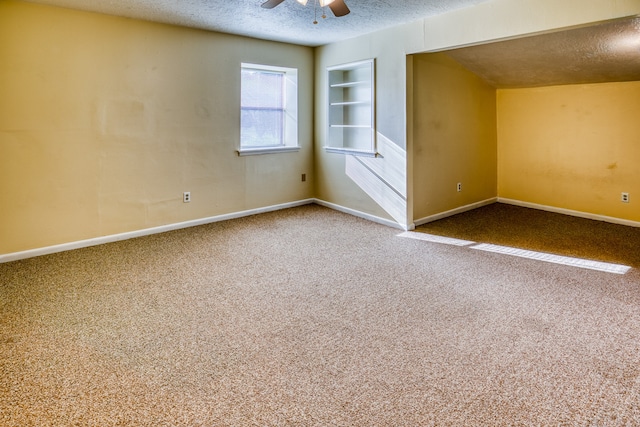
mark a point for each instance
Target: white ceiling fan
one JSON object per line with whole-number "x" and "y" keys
{"x": 338, "y": 7}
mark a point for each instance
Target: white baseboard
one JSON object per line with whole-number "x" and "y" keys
{"x": 455, "y": 211}
{"x": 145, "y": 232}
{"x": 570, "y": 212}
{"x": 372, "y": 218}
{"x": 15, "y": 256}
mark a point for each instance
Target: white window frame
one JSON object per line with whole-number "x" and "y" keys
{"x": 290, "y": 125}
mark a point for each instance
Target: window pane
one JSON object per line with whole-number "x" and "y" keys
{"x": 262, "y": 102}
{"x": 262, "y": 89}
{"x": 261, "y": 127}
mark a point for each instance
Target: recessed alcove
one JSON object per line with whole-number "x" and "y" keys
{"x": 547, "y": 120}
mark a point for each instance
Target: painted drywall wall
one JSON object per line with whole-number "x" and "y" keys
{"x": 488, "y": 21}
{"x": 573, "y": 147}
{"x": 105, "y": 121}
{"x": 379, "y": 190}
{"x": 454, "y": 136}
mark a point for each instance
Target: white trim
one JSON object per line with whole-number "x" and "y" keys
{"x": 360, "y": 214}
{"x": 266, "y": 150}
{"x": 455, "y": 211}
{"x": 265, "y": 67}
{"x": 351, "y": 65}
{"x": 290, "y": 137}
{"x": 15, "y": 256}
{"x": 350, "y": 151}
{"x": 570, "y": 212}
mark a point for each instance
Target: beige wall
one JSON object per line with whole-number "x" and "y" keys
{"x": 105, "y": 121}
{"x": 572, "y": 147}
{"x": 491, "y": 20}
{"x": 333, "y": 183}
{"x": 454, "y": 136}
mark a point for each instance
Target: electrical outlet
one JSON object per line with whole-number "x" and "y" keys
{"x": 459, "y": 187}
{"x": 624, "y": 197}
{"x": 186, "y": 197}
{"x": 304, "y": 177}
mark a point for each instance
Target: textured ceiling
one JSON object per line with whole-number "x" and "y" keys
{"x": 289, "y": 22}
{"x": 605, "y": 52}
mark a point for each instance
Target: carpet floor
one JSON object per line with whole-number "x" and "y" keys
{"x": 310, "y": 317}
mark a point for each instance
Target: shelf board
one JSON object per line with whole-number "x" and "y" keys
{"x": 350, "y": 84}
{"x": 351, "y": 103}
{"x": 351, "y": 151}
{"x": 351, "y": 126}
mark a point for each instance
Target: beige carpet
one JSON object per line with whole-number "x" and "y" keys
{"x": 310, "y": 317}
{"x": 543, "y": 231}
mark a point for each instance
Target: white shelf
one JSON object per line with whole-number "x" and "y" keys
{"x": 346, "y": 103}
{"x": 351, "y": 108}
{"x": 351, "y": 126}
{"x": 351, "y": 84}
{"x": 352, "y": 152}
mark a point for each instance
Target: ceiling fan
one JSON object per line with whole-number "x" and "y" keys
{"x": 338, "y": 7}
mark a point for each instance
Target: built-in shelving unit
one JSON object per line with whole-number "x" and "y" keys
{"x": 351, "y": 99}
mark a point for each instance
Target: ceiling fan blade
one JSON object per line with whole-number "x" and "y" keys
{"x": 339, "y": 8}
{"x": 270, "y": 4}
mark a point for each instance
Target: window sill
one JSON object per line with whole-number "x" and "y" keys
{"x": 362, "y": 153}
{"x": 265, "y": 150}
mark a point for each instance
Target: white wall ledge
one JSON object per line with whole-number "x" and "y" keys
{"x": 266, "y": 150}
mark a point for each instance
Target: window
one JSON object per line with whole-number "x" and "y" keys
{"x": 268, "y": 109}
